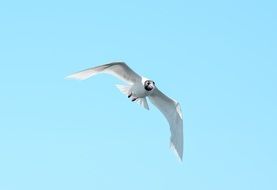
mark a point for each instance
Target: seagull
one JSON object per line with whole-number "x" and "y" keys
{"x": 138, "y": 89}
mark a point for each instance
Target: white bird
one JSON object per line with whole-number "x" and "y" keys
{"x": 138, "y": 89}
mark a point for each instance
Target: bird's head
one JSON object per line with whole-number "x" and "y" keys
{"x": 149, "y": 85}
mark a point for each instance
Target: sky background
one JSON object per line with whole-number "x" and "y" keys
{"x": 217, "y": 58}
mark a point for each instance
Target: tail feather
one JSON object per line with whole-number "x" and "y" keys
{"x": 124, "y": 89}
{"x": 143, "y": 103}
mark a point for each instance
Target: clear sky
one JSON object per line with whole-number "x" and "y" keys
{"x": 217, "y": 58}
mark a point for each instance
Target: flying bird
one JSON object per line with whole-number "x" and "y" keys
{"x": 138, "y": 89}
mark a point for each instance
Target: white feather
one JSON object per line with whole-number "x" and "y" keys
{"x": 124, "y": 89}
{"x": 117, "y": 69}
{"x": 172, "y": 111}
{"x": 143, "y": 103}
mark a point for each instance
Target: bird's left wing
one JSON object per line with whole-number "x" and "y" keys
{"x": 172, "y": 111}
{"x": 119, "y": 69}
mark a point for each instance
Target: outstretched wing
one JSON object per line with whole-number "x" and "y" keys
{"x": 117, "y": 69}
{"x": 172, "y": 111}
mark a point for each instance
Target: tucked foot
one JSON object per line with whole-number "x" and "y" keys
{"x": 130, "y": 95}
{"x": 134, "y": 99}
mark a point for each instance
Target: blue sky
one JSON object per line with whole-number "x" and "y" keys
{"x": 217, "y": 58}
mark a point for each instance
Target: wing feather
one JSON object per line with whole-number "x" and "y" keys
{"x": 118, "y": 69}
{"x": 172, "y": 111}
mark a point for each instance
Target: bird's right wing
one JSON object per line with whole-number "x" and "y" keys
{"x": 117, "y": 69}
{"x": 172, "y": 111}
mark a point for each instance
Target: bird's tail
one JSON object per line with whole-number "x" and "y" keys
{"x": 126, "y": 90}
{"x": 143, "y": 103}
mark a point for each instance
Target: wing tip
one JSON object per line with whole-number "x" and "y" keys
{"x": 73, "y": 77}
{"x": 178, "y": 154}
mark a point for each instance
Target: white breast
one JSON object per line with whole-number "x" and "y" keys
{"x": 138, "y": 90}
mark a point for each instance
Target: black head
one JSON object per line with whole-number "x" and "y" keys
{"x": 149, "y": 85}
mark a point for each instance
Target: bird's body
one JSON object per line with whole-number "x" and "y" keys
{"x": 138, "y": 89}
